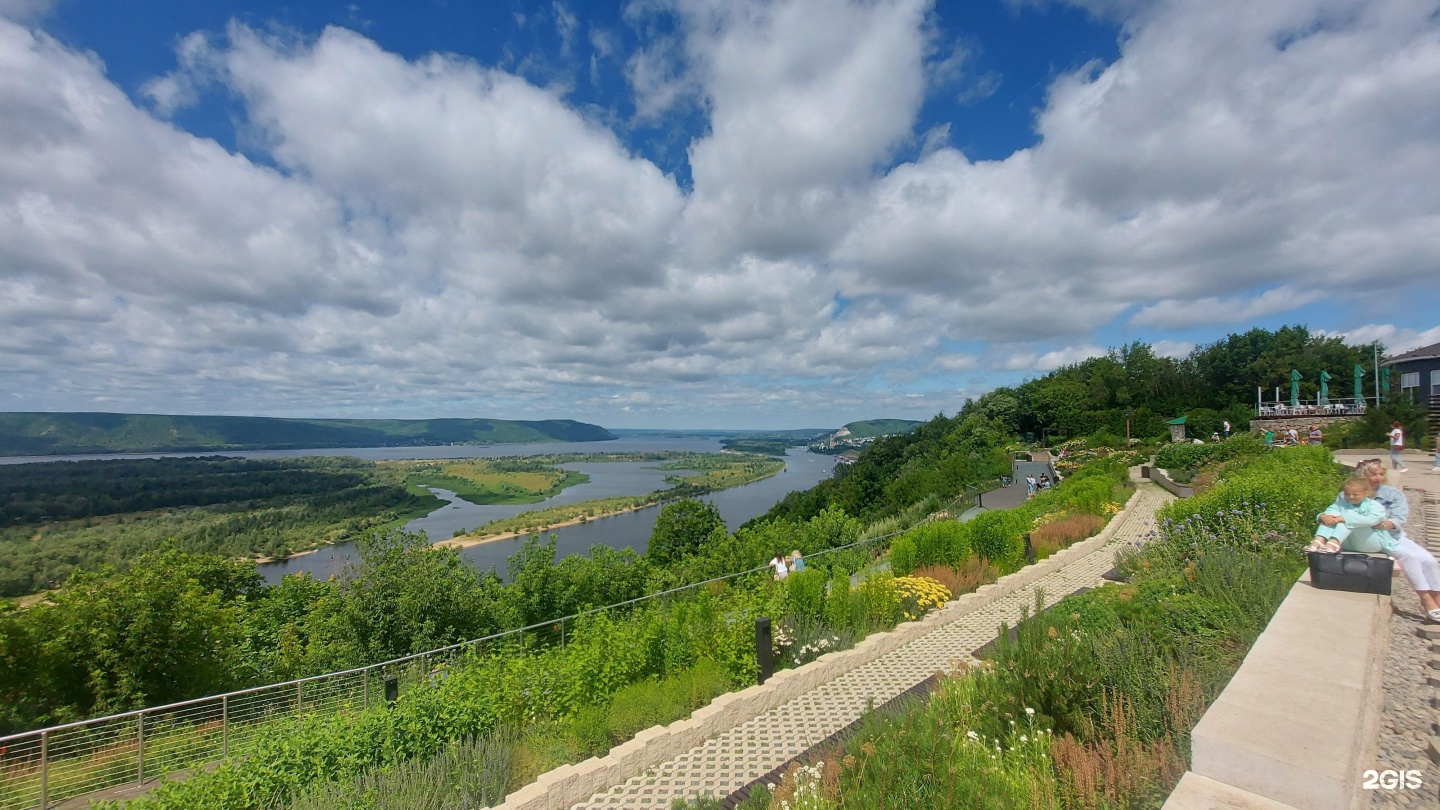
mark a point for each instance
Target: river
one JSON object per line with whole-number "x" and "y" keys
{"x": 803, "y": 470}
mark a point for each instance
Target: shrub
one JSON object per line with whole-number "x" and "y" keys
{"x": 805, "y": 593}
{"x": 838, "y": 612}
{"x": 902, "y": 555}
{"x": 919, "y": 595}
{"x": 970, "y": 575}
{"x": 875, "y": 602}
{"x": 1053, "y": 536}
{"x": 939, "y": 542}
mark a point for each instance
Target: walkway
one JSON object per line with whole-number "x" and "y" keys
{"x": 747, "y": 752}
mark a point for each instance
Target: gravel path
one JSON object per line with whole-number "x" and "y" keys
{"x": 1405, "y": 725}
{"x": 1408, "y": 722}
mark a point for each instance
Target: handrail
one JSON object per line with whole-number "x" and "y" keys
{"x": 116, "y": 733}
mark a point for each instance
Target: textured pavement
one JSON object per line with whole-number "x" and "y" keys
{"x": 728, "y": 762}
{"x": 1408, "y": 720}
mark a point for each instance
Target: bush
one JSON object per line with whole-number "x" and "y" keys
{"x": 970, "y": 575}
{"x": 1051, "y": 537}
{"x": 902, "y": 555}
{"x": 805, "y": 593}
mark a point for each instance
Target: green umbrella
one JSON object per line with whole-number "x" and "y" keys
{"x": 1359, "y": 384}
{"x": 1294, "y": 388}
{"x": 1324, "y": 388}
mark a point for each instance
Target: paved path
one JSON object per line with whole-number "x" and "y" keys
{"x": 747, "y": 752}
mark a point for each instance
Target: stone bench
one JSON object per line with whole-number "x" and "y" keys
{"x": 1297, "y": 725}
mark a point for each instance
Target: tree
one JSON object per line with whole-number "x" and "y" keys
{"x": 681, "y": 528}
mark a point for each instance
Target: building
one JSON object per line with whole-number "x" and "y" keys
{"x": 1418, "y": 374}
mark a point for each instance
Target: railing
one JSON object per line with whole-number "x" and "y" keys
{"x": 1347, "y": 406}
{"x": 41, "y": 767}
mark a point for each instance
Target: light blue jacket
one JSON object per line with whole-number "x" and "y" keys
{"x": 1361, "y": 519}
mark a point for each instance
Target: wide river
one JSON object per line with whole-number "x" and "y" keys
{"x": 803, "y": 470}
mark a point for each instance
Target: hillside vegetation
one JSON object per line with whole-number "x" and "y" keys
{"x": 868, "y": 428}
{"x": 60, "y": 433}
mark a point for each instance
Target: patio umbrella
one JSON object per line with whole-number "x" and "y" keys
{"x": 1294, "y": 388}
{"x": 1359, "y": 384}
{"x": 1324, "y": 387}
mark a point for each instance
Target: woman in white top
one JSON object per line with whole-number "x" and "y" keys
{"x": 781, "y": 569}
{"x": 1397, "y": 443}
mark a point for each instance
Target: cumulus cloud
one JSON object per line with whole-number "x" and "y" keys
{"x": 1181, "y": 314}
{"x": 1396, "y": 340}
{"x": 437, "y": 233}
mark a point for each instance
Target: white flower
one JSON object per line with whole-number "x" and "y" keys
{"x": 1029, "y": 711}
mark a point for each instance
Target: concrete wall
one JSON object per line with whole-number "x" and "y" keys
{"x": 1298, "y": 724}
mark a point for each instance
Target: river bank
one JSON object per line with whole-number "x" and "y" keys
{"x": 470, "y": 540}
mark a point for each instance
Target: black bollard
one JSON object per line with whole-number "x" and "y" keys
{"x": 1029, "y": 550}
{"x": 1345, "y": 443}
{"x": 392, "y": 689}
{"x": 763, "y": 655}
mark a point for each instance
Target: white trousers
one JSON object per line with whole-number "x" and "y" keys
{"x": 1418, "y": 564}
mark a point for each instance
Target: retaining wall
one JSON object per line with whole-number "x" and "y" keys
{"x": 1298, "y": 724}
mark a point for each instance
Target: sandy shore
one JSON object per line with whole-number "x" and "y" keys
{"x": 467, "y": 540}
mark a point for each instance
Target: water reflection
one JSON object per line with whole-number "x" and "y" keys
{"x": 803, "y": 470}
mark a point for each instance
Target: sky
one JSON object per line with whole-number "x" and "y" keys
{"x": 692, "y": 213}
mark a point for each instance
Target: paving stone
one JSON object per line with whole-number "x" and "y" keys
{"x": 737, "y": 757}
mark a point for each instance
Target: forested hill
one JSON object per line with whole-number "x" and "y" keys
{"x": 881, "y": 427}
{"x": 54, "y": 433}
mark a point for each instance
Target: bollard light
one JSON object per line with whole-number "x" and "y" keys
{"x": 763, "y": 655}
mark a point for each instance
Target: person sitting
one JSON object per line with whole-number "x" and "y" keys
{"x": 1355, "y": 531}
{"x": 1418, "y": 564}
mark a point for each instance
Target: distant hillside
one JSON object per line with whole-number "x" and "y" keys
{"x": 870, "y": 428}
{"x": 29, "y": 434}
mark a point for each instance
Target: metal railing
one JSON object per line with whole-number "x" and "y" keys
{"x": 41, "y": 767}
{"x": 1334, "y": 406}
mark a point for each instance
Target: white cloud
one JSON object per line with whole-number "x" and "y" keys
{"x": 435, "y": 233}
{"x": 1396, "y": 340}
{"x": 1172, "y": 348}
{"x": 1178, "y": 314}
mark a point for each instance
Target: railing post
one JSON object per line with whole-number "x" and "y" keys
{"x": 140, "y": 776}
{"x": 224, "y": 725}
{"x": 44, "y": 769}
{"x": 365, "y": 688}
{"x": 562, "y": 633}
{"x": 299, "y": 697}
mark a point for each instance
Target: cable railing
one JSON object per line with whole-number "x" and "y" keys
{"x": 42, "y": 767}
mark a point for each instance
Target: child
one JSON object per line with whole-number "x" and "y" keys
{"x": 1356, "y": 533}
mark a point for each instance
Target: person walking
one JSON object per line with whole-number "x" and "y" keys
{"x": 1316, "y": 437}
{"x": 1227, "y": 428}
{"x": 779, "y": 565}
{"x": 1397, "y": 446}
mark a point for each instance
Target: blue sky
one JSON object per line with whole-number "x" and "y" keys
{"x": 692, "y": 213}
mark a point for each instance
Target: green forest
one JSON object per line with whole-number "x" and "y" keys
{"x": 35, "y": 434}
{"x": 61, "y": 517}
